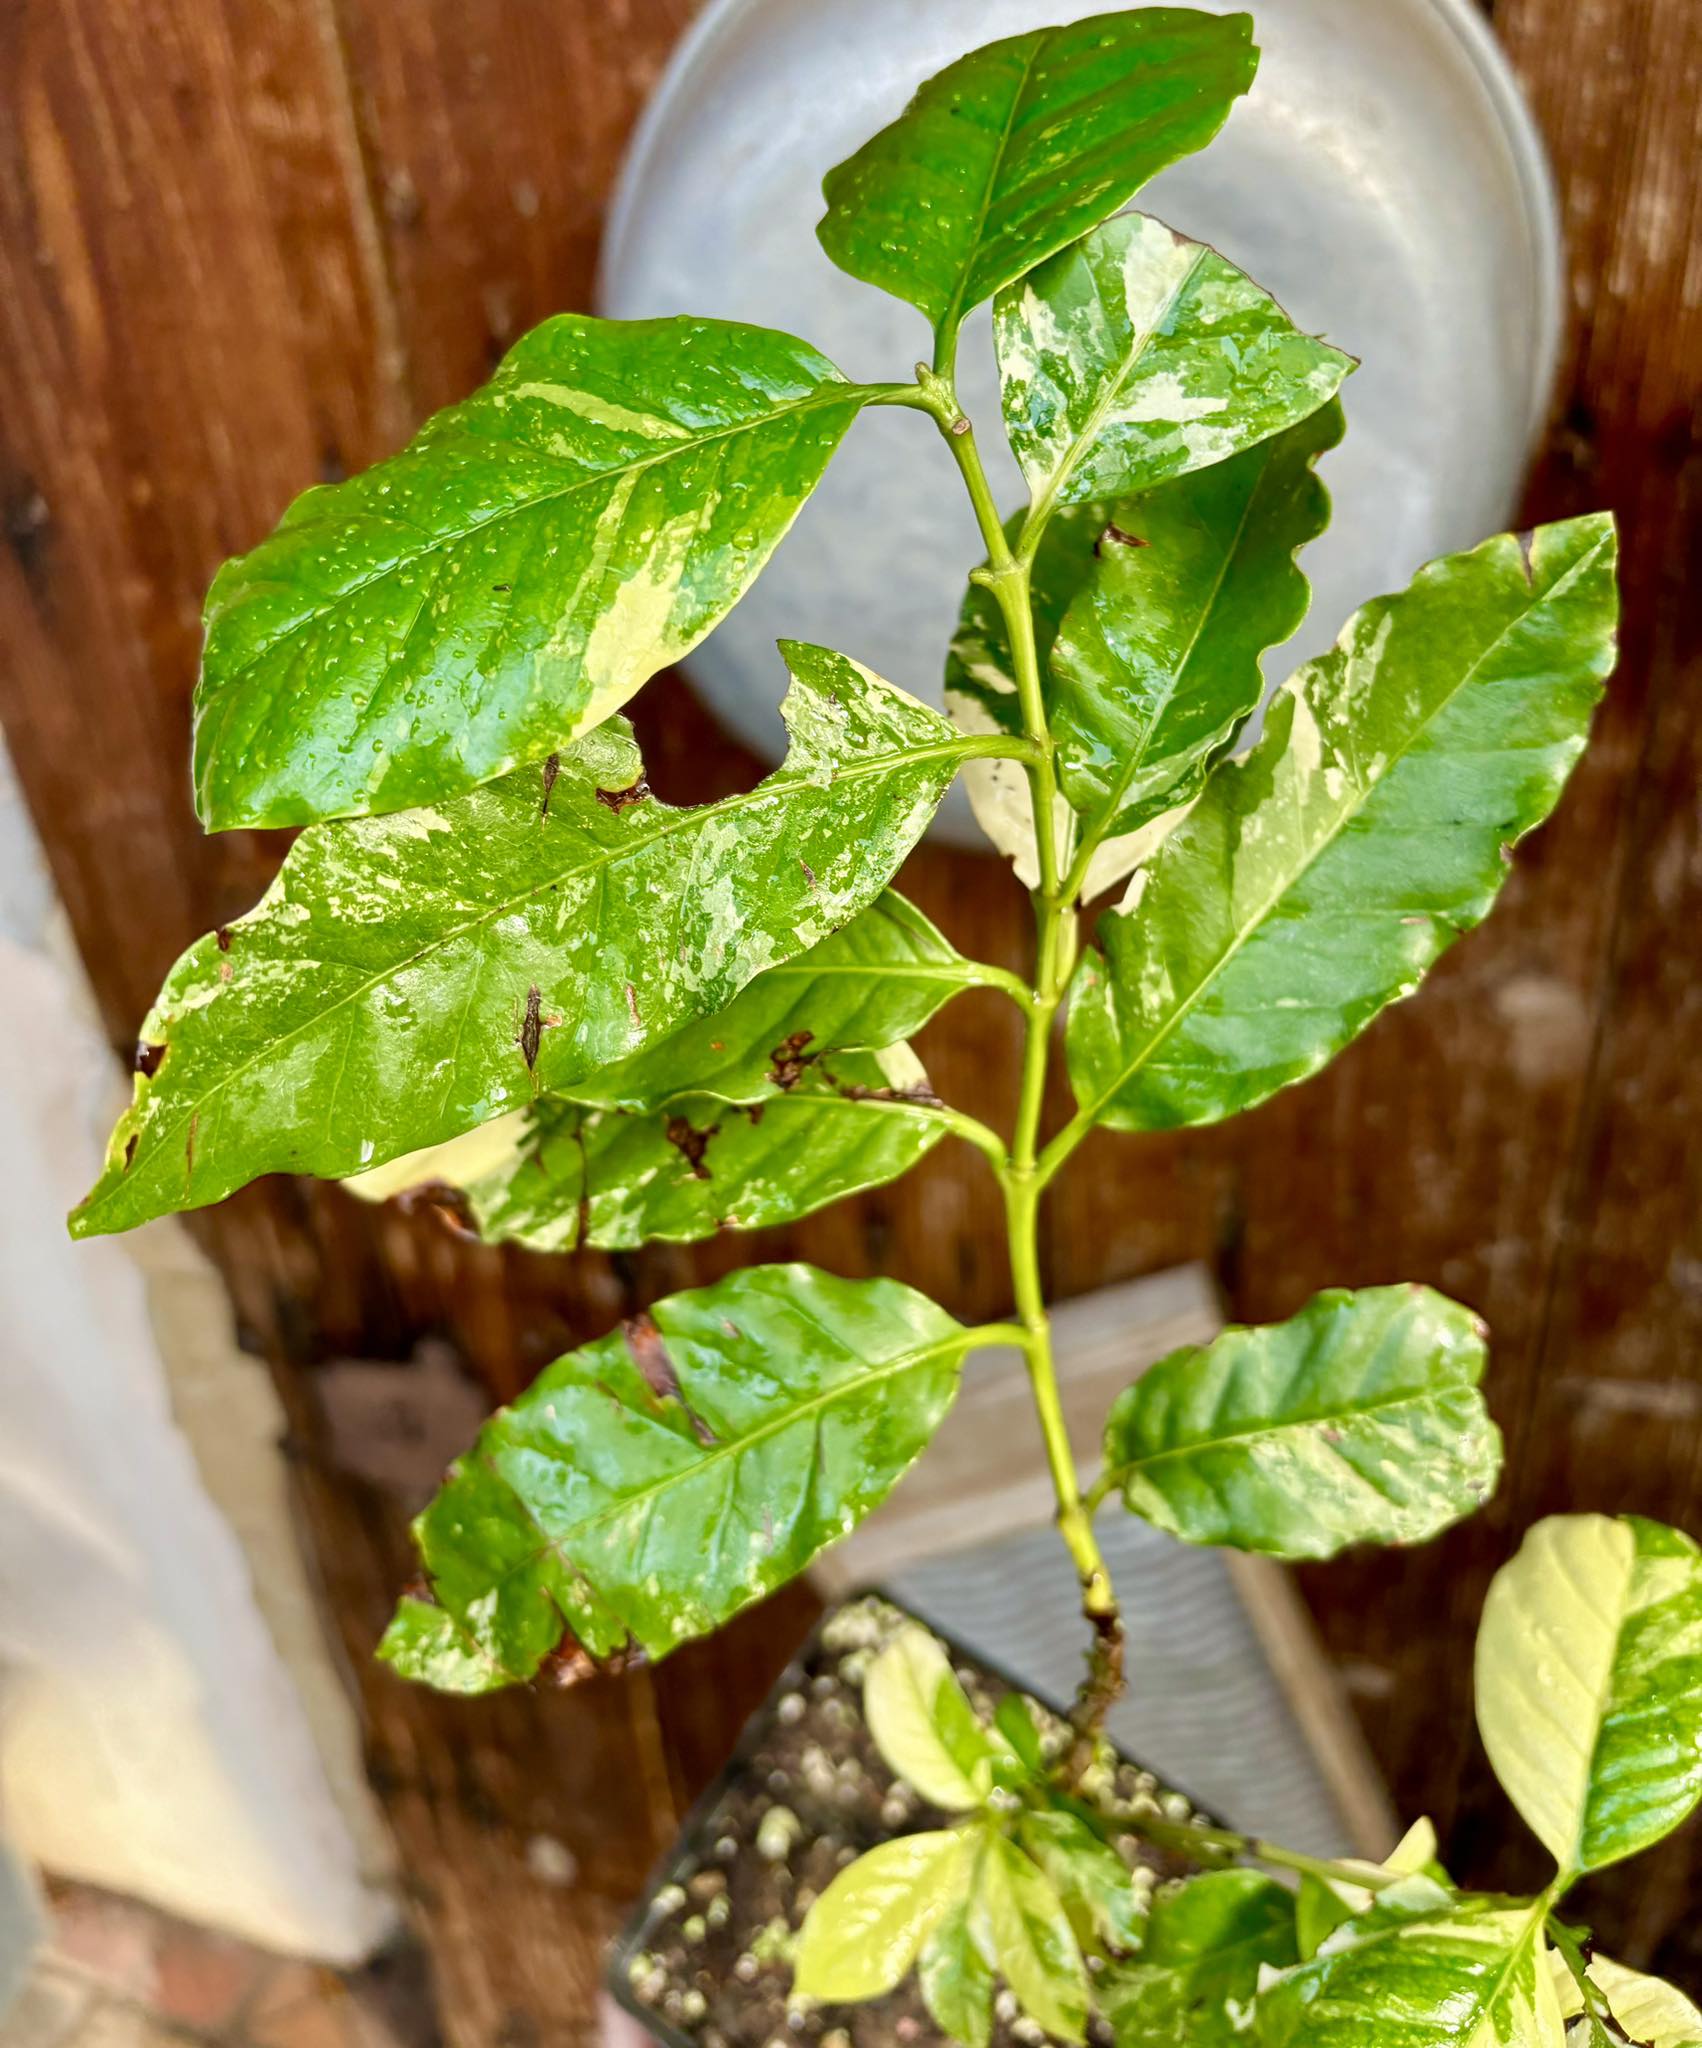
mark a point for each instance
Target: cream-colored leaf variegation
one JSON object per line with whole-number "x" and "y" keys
{"x": 1648, "y": 2009}
{"x": 1589, "y": 1684}
{"x": 864, "y": 1933}
{"x": 902, "y": 1703}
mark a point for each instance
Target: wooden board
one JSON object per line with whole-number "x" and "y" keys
{"x": 243, "y": 245}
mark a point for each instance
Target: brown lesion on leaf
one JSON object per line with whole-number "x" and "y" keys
{"x": 754, "y": 1110}
{"x": 570, "y": 1663}
{"x": 809, "y": 874}
{"x": 189, "y": 1147}
{"x": 444, "y": 1201}
{"x": 149, "y": 1058}
{"x": 221, "y": 938}
{"x": 130, "y": 1144}
{"x": 1524, "y": 538}
{"x": 1117, "y": 536}
{"x": 619, "y": 799}
{"x": 691, "y": 1143}
{"x": 918, "y": 1092}
{"x": 552, "y": 768}
{"x": 789, "y": 1061}
{"x": 656, "y": 1368}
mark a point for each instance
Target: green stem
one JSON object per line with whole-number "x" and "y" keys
{"x": 1190, "y": 1839}
{"x": 1007, "y": 578}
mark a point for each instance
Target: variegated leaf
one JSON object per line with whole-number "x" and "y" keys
{"x": 514, "y": 575}
{"x": 1017, "y": 148}
{"x": 1194, "y": 1981}
{"x": 1647, "y": 2010}
{"x": 1136, "y": 355}
{"x": 1459, "y": 1975}
{"x": 561, "y": 1173}
{"x": 864, "y": 1932}
{"x": 1317, "y": 878}
{"x": 1589, "y": 1684}
{"x": 646, "y": 1487}
{"x": 1357, "y": 1421}
{"x": 1156, "y": 664}
{"x": 411, "y": 977}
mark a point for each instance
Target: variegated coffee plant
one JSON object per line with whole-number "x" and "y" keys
{"x": 495, "y": 968}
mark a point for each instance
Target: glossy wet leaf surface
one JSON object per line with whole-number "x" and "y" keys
{"x": 1024, "y": 144}
{"x": 1589, "y": 1684}
{"x": 1357, "y": 1421}
{"x": 1197, "y": 1973}
{"x": 647, "y": 1486}
{"x": 563, "y": 1174}
{"x": 1455, "y": 1977}
{"x": 411, "y": 977}
{"x": 1156, "y": 663}
{"x": 1136, "y": 355}
{"x": 1317, "y": 879}
{"x": 533, "y": 556}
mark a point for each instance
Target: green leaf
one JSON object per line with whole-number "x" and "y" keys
{"x": 1136, "y": 355}
{"x": 1022, "y": 145}
{"x": 1589, "y": 1684}
{"x": 1093, "y": 1881}
{"x": 1020, "y": 1926}
{"x": 862, "y": 1935}
{"x": 532, "y": 557}
{"x": 649, "y": 1485}
{"x": 1316, "y": 879}
{"x": 1206, "y": 1944}
{"x": 1458, "y": 1976}
{"x": 1156, "y": 664}
{"x": 1321, "y": 1906}
{"x": 923, "y": 1725}
{"x": 869, "y": 985}
{"x": 408, "y": 978}
{"x": 956, "y": 1983}
{"x": 1648, "y": 2010}
{"x": 1150, "y": 615}
{"x": 1015, "y": 1722}
{"x": 1357, "y": 1421}
{"x": 562, "y": 1174}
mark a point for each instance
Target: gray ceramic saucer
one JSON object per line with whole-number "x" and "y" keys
{"x": 1383, "y": 179}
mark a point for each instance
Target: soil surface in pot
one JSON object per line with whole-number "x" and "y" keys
{"x": 708, "y": 1961}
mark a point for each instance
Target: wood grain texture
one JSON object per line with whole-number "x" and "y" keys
{"x": 244, "y": 244}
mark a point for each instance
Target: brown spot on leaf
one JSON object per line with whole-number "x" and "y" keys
{"x": 148, "y": 1058}
{"x": 189, "y": 1147}
{"x": 531, "y": 1029}
{"x": 632, "y": 1007}
{"x": 130, "y": 1144}
{"x": 789, "y": 1059}
{"x": 691, "y": 1143}
{"x": 222, "y": 936}
{"x": 619, "y": 799}
{"x": 809, "y": 874}
{"x": 439, "y": 1198}
{"x": 650, "y": 1355}
{"x": 552, "y": 768}
{"x": 918, "y": 1092}
{"x": 754, "y": 1110}
{"x": 570, "y": 1663}
{"x": 1118, "y": 538}
{"x": 1524, "y": 540}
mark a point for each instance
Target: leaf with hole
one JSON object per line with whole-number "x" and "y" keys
{"x": 1317, "y": 879}
{"x": 1136, "y": 355}
{"x": 532, "y": 557}
{"x": 410, "y": 977}
{"x": 1589, "y": 1684}
{"x": 1357, "y": 1421}
{"x": 1024, "y": 144}
{"x": 646, "y": 1487}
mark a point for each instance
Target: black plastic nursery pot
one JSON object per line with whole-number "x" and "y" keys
{"x": 702, "y": 1963}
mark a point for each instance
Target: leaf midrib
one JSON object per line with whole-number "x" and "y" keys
{"x": 886, "y": 764}
{"x": 952, "y": 317}
{"x": 839, "y": 394}
{"x": 960, "y": 1341}
{"x": 1139, "y": 1467}
{"x": 1089, "y": 1112}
